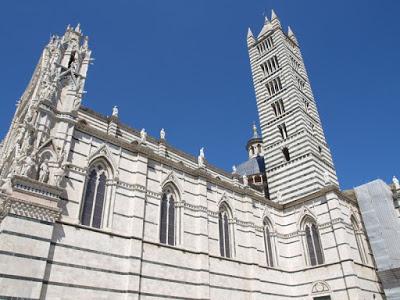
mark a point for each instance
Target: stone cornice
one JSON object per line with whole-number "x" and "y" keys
{"x": 150, "y": 154}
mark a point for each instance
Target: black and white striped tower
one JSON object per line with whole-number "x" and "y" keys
{"x": 297, "y": 157}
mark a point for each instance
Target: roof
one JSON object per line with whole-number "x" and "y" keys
{"x": 255, "y": 165}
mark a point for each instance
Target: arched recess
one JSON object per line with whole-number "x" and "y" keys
{"x": 226, "y": 230}
{"x": 311, "y": 240}
{"x": 270, "y": 244}
{"x": 171, "y": 211}
{"x": 320, "y": 290}
{"x": 98, "y": 194}
{"x": 359, "y": 240}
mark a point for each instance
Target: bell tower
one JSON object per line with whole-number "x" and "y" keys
{"x": 297, "y": 157}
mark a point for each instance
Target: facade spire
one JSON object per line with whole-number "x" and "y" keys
{"x": 273, "y": 15}
{"x": 274, "y": 20}
{"x": 249, "y": 33}
{"x": 291, "y": 35}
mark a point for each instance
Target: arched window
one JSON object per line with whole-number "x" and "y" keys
{"x": 168, "y": 217}
{"x": 269, "y": 243}
{"x": 225, "y": 238}
{"x": 359, "y": 241}
{"x": 94, "y": 196}
{"x": 313, "y": 245}
{"x": 286, "y": 154}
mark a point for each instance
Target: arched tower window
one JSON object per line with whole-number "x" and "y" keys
{"x": 94, "y": 196}
{"x": 269, "y": 243}
{"x": 313, "y": 247}
{"x": 168, "y": 217}
{"x": 359, "y": 241}
{"x": 225, "y": 236}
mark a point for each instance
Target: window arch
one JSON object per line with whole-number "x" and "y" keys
{"x": 95, "y": 195}
{"x": 269, "y": 243}
{"x": 312, "y": 242}
{"x": 359, "y": 240}
{"x": 169, "y": 216}
{"x": 225, "y": 231}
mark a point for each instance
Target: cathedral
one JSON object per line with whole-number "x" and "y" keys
{"x": 91, "y": 208}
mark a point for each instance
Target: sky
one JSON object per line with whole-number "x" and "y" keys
{"x": 183, "y": 66}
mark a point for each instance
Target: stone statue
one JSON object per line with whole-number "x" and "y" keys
{"x": 234, "y": 170}
{"x": 201, "y": 158}
{"x": 28, "y": 166}
{"x": 279, "y": 196}
{"x": 245, "y": 180}
{"x": 44, "y": 171}
{"x": 115, "y": 111}
{"x": 396, "y": 183}
{"x": 162, "y": 134}
{"x": 143, "y": 136}
{"x": 6, "y": 187}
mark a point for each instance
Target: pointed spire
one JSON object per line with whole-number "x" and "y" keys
{"x": 78, "y": 28}
{"x": 266, "y": 21}
{"x": 249, "y": 33}
{"x": 292, "y": 36}
{"x": 274, "y": 20}
{"x": 273, "y": 15}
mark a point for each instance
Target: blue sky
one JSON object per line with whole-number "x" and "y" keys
{"x": 183, "y": 65}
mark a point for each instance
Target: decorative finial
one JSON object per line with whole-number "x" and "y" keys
{"x": 396, "y": 183}
{"x": 290, "y": 32}
{"x": 115, "y": 111}
{"x": 85, "y": 43}
{"x": 234, "y": 170}
{"x": 162, "y": 134}
{"x": 255, "y": 133}
{"x": 266, "y": 21}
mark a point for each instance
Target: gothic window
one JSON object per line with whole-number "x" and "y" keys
{"x": 274, "y": 86}
{"x": 94, "y": 196}
{"x": 313, "y": 244}
{"x": 278, "y": 107}
{"x": 358, "y": 239}
{"x": 268, "y": 243}
{"x": 285, "y": 152}
{"x": 168, "y": 217}
{"x": 283, "y": 130}
{"x": 225, "y": 238}
{"x": 270, "y": 66}
{"x": 265, "y": 45}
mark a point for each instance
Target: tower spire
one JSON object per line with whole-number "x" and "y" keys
{"x": 275, "y": 20}
{"x": 291, "y": 35}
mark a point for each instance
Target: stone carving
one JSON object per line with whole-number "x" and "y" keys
{"x": 5, "y": 207}
{"x": 115, "y": 111}
{"x": 320, "y": 287}
{"x": 162, "y": 134}
{"x": 245, "y": 180}
{"x": 143, "y": 136}
{"x": 396, "y": 183}
{"x": 44, "y": 171}
{"x": 201, "y": 158}
{"x": 279, "y": 196}
{"x": 6, "y": 187}
{"x": 28, "y": 167}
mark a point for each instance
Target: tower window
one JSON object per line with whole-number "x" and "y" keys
{"x": 265, "y": 45}
{"x": 313, "y": 245}
{"x": 306, "y": 105}
{"x": 295, "y": 64}
{"x": 278, "y": 107}
{"x": 286, "y": 154}
{"x": 274, "y": 86}
{"x": 283, "y": 130}
{"x": 300, "y": 83}
{"x": 270, "y": 66}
